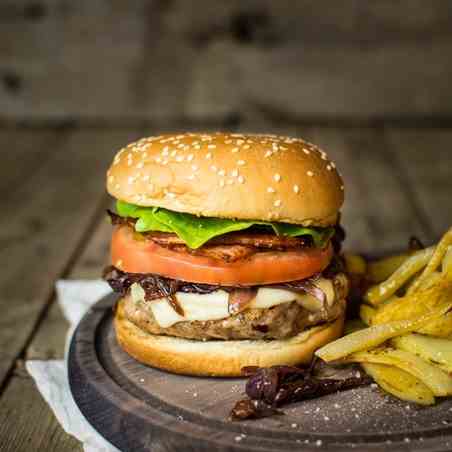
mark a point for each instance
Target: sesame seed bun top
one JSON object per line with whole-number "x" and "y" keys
{"x": 229, "y": 175}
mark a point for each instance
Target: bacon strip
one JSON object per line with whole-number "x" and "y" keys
{"x": 256, "y": 240}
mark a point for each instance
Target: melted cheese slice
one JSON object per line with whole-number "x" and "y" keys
{"x": 214, "y": 305}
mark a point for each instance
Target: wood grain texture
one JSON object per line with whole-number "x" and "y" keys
{"x": 205, "y": 61}
{"x": 424, "y": 163}
{"x": 25, "y": 425}
{"x": 50, "y": 214}
{"x": 48, "y": 343}
{"x": 143, "y": 409}
{"x": 377, "y": 213}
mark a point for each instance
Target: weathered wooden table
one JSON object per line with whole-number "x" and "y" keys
{"x": 398, "y": 183}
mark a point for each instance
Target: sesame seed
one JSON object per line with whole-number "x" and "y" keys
{"x": 296, "y": 188}
{"x": 239, "y": 142}
{"x": 227, "y": 141}
{"x": 129, "y": 162}
{"x": 189, "y": 157}
{"x": 117, "y": 186}
{"x": 240, "y": 162}
{"x": 173, "y": 152}
{"x": 144, "y": 155}
{"x": 145, "y": 177}
{"x": 268, "y": 154}
{"x": 139, "y": 165}
{"x": 194, "y": 167}
{"x": 221, "y": 183}
{"x": 165, "y": 150}
{"x": 235, "y": 173}
{"x": 329, "y": 167}
{"x": 241, "y": 179}
{"x": 234, "y": 150}
{"x": 247, "y": 146}
{"x": 196, "y": 146}
{"x": 164, "y": 162}
{"x": 211, "y": 146}
{"x": 323, "y": 155}
{"x": 191, "y": 177}
{"x": 130, "y": 180}
{"x": 333, "y": 164}
{"x": 271, "y": 190}
{"x": 180, "y": 158}
{"x": 277, "y": 203}
{"x": 208, "y": 155}
{"x": 230, "y": 181}
{"x": 342, "y": 188}
{"x": 221, "y": 172}
{"x": 213, "y": 168}
{"x": 310, "y": 173}
{"x": 158, "y": 159}
{"x": 171, "y": 195}
{"x": 277, "y": 177}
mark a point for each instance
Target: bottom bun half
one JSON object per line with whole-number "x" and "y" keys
{"x": 220, "y": 358}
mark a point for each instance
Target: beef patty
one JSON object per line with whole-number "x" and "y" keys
{"x": 278, "y": 322}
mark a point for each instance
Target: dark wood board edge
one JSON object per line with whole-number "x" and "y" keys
{"x": 122, "y": 418}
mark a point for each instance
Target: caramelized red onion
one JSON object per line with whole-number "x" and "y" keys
{"x": 156, "y": 287}
{"x": 270, "y": 388}
{"x": 239, "y": 299}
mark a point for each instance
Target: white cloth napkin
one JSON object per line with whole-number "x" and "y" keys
{"x": 75, "y": 298}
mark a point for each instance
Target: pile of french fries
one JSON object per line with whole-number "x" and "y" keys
{"x": 404, "y": 338}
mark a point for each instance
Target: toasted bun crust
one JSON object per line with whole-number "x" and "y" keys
{"x": 253, "y": 177}
{"x": 219, "y": 358}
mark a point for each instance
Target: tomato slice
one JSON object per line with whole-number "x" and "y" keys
{"x": 145, "y": 256}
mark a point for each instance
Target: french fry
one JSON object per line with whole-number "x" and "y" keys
{"x": 400, "y": 383}
{"x": 415, "y": 263}
{"x": 416, "y": 304}
{"x": 375, "y": 335}
{"x": 434, "y": 262}
{"x": 381, "y": 269}
{"x": 447, "y": 264}
{"x": 438, "y": 381}
{"x": 432, "y": 349}
{"x": 431, "y": 280}
{"x": 355, "y": 264}
{"x": 366, "y": 313}
{"x": 441, "y": 327}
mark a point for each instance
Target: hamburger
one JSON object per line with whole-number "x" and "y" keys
{"x": 225, "y": 251}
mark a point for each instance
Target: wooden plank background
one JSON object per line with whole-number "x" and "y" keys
{"x": 370, "y": 81}
{"x": 206, "y": 60}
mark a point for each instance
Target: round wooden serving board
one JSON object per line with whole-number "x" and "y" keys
{"x": 138, "y": 408}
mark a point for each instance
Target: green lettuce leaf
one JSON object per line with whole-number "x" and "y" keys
{"x": 195, "y": 231}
